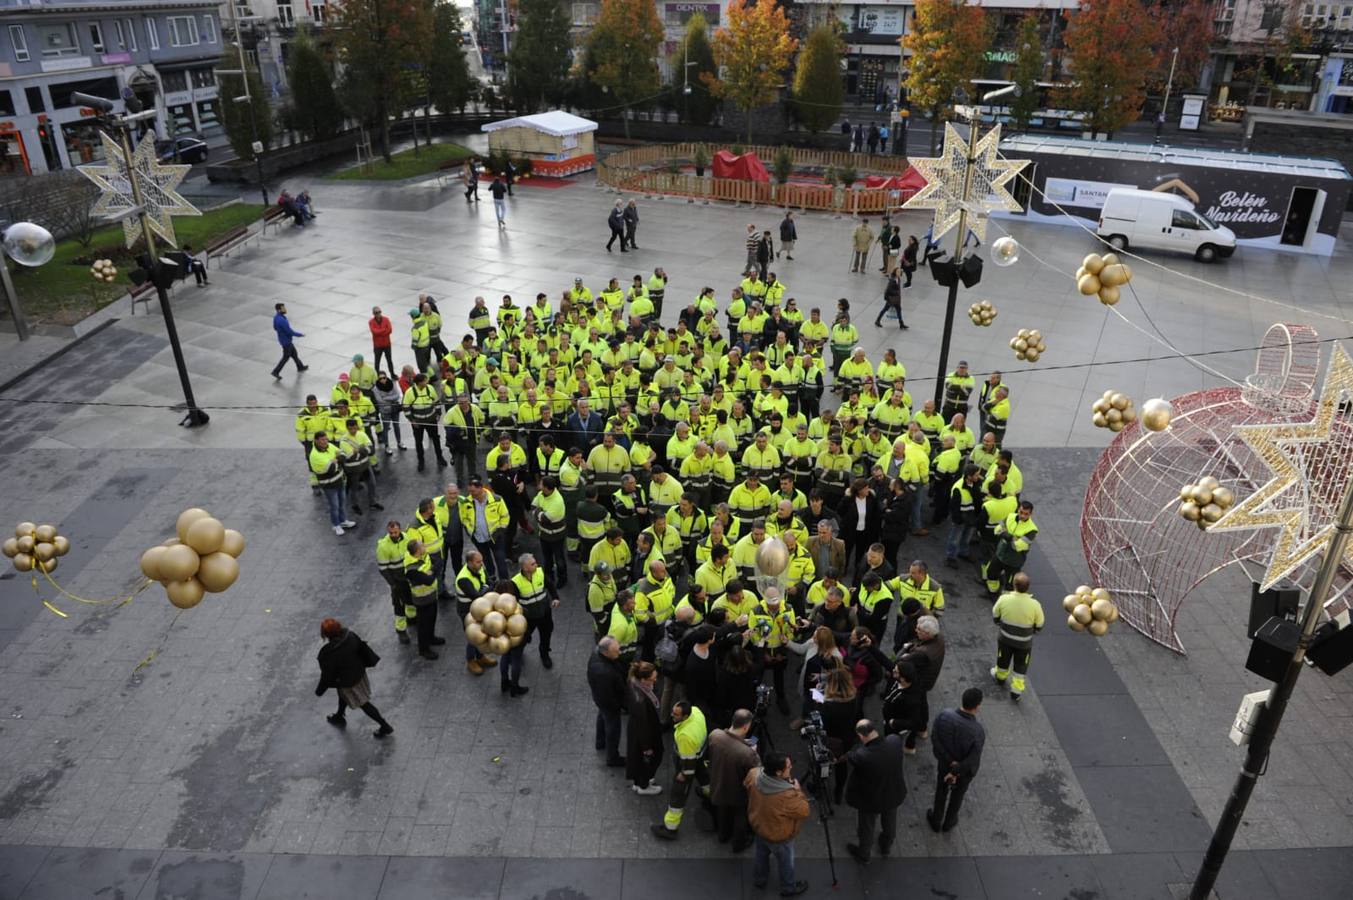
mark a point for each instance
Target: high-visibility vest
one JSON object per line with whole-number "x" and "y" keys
{"x": 551, "y": 465}
{"x": 390, "y": 558}
{"x": 625, "y": 631}
{"x": 654, "y": 602}
{"x": 1021, "y": 533}
{"x": 476, "y": 579}
{"x": 480, "y": 318}
{"x": 551, "y": 514}
{"x": 929, "y": 593}
{"x": 424, "y": 565}
{"x": 771, "y": 629}
{"x": 617, "y": 556}
{"x": 534, "y": 597}
{"x": 432, "y": 534}
{"x": 421, "y": 404}
{"x": 326, "y": 466}
{"x": 690, "y": 736}
{"x": 1019, "y": 616}
{"x": 600, "y": 594}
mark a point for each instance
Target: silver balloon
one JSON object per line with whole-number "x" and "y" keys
{"x": 1005, "y": 251}
{"x": 772, "y": 557}
{"x": 28, "y": 244}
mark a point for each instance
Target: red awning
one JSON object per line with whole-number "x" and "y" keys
{"x": 746, "y": 167}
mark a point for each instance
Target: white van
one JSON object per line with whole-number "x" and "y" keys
{"x": 1160, "y": 221}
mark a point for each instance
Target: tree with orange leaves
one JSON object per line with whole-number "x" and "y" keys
{"x": 376, "y": 38}
{"x": 1109, "y": 51}
{"x": 948, "y": 42}
{"x": 753, "y": 51}
{"x": 622, "y": 50}
{"x": 1188, "y": 25}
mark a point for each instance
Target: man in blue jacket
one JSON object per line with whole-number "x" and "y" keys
{"x": 285, "y": 333}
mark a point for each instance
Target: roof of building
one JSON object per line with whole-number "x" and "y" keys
{"x": 556, "y": 122}
{"x": 1311, "y": 167}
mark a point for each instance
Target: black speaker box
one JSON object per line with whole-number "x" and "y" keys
{"x": 944, "y": 272}
{"x": 1282, "y": 601}
{"x": 1331, "y": 648}
{"x": 1272, "y": 650}
{"x": 971, "y": 271}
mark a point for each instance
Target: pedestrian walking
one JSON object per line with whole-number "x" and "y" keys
{"x": 776, "y": 808}
{"x": 471, "y": 180}
{"x": 876, "y": 788}
{"x": 892, "y": 299}
{"x": 731, "y": 756}
{"x": 892, "y": 245}
{"x": 753, "y": 241}
{"x": 958, "y": 741}
{"x": 643, "y": 736}
{"x": 343, "y": 661}
{"x": 909, "y": 258}
{"x": 631, "y": 217}
{"x": 1018, "y": 616}
{"x": 616, "y": 220}
{"x": 765, "y": 252}
{"x": 789, "y": 234}
{"x": 606, "y": 679}
{"x": 286, "y": 336}
{"x": 883, "y": 138}
{"x": 873, "y": 139}
{"x": 861, "y": 239}
{"x": 509, "y": 176}
{"x": 690, "y": 739}
{"x": 846, "y": 131}
{"x": 381, "y": 328}
{"x": 858, "y": 145}
{"x": 499, "y": 191}
{"x": 327, "y": 468}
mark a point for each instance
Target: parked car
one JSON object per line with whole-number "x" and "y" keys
{"x": 184, "y": 149}
{"x": 1161, "y": 221}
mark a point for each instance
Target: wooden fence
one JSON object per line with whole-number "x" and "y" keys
{"x": 636, "y": 170}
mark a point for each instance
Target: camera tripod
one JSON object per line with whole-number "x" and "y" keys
{"x": 819, "y": 775}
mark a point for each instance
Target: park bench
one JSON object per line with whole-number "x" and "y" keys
{"x": 273, "y": 217}
{"x": 221, "y": 245}
{"x": 142, "y": 293}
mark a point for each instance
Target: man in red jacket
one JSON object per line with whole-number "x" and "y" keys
{"x": 380, "y": 340}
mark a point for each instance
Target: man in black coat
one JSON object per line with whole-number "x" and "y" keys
{"x": 616, "y": 221}
{"x": 958, "y": 740}
{"x": 606, "y": 678}
{"x": 700, "y": 674}
{"x": 876, "y": 788}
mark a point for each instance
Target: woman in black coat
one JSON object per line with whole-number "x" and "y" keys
{"x": 892, "y": 299}
{"x": 840, "y": 713}
{"x": 896, "y": 520}
{"x": 904, "y": 705}
{"x": 736, "y": 686}
{"x": 343, "y": 662}
{"x": 643, "y": 735}
{"x": 858, "y": 540}
{"x": 909, "y": 258}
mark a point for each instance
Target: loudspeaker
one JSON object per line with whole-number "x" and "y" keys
{"x": 1331, "y": 648}
{"x": 1274, "y": 644}
{"x": 944, "y": 272}
{"x": 971, "y": 271}
{"x": 1283, "y": 601}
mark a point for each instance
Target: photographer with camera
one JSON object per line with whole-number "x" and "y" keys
{"x": 877, "y": 788}
{"x": 865, "y": 662}
{"x": 776, "y": 808}
{"x": 731, "y": 757}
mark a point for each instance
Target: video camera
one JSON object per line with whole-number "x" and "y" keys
{"x": 763, "y": 694}
{"x": 815, "y": 733}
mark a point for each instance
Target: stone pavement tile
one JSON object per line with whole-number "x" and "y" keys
{"x": 527, "y": 879}
{"x": 990, "y": 829}
{"x": 663, "y": 879}
{"x": 1103, "y": 730}
{"x": 1242, "y": 877}
{"x": 1137, "y": 876}
{"x": 1058, "y": 876}
{"x": 1143, "y": 808}
{"x": 1067, "y": 663}
{"x": 395, "y": 839}
{"x": 18, "y": 864}
{"x": 432, "y": 879}
{"x": 296, "y": 837}
{"x": 181, "y": 874}
{"x": 90, "y": 873}
{"x": 1297, "y": 873}
{"x": 428, "y": 840}
{"x": 294, "y": 877}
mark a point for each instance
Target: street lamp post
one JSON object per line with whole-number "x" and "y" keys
{"x": 1165, "y": 104}
{"x": 247, "y": 98}
{"x": 28, "y": 245}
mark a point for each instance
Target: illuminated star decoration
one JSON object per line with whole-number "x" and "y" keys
{"x": 943, "y": 191}
{"x": 1312, "y": 463}
{"x": 158, "y": 184}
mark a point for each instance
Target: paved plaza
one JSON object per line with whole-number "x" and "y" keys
{"x": 157, "y": 754}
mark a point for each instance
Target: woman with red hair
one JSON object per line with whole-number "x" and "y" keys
{"x": 343, "y": 661}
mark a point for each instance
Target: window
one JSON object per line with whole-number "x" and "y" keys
{"x": 183, "y": 31}
{"x": 209, "y": 29}
{"x": 96, "y": 36}
{"x": 318, "y": 12}
{"x": 1182, "y": 218}
{"x": 252, "y": 57}
{"x": 153, "y": 33}
{"x": 1273, "y": 17}
{"x": 203, "y": 78}
{"x": 58, "y": 40}
{"x": 20, "y": 42}
{"x": 131, "y": 34}
{"x": 584, "y": 13}
{"x": 1226, "y": 10}
{"x": 285, "y": 17}
{"x": 208, "y": 114}
{"x": 174, "y": 81}
{"x": 6, "y": 103}
{"x": 35, "y": 102}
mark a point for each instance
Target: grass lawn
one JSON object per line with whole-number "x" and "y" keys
{"x": 63, "y": 292}
{"x": 405, "y": 164}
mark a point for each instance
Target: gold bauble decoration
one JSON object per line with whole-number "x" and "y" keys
{"x": 1070, "y": 602}
{"x": 186, "y": 519}
{"x": 475, "y": 634}
{"x": 1088, "y": 285}
{"x": 1223, "y": 497}
{"x": 771, "y": 557}
{"x": 505, "y": 604}
{"x": 1082, "y": 613}
{"x": 1190, "y": 511}
{"x": 1100, "y": 609}
{"x": 150, "y": 563}
{"x": 23, "y": 562}
{"x": 232, "y": 543}
{"x": 1156, "y": 414}
{"x": 1113, "y": 613}
{"x": 481, "y": 607}
{"x": 205, "y": 536}
{"x": 24, "y": 529}
{"x": 1093, "y": 263}
{"x": 44, "y": 534}
{"x": 1109, "y": 296}
{"x": 25, "y": 544}
{"x": 516, "y": 625}
{"x": 1100, "y": 593}
{"x": 217, "y": 571}
{"x": 48, "y": 565}
{"x": 1098, "y": 627}
{"x": 517, "y": 640}
{"x": 1211, "y": 513}
{"x": 185, "y": 594}
{"x": 1113, "y": 276}
{"x": 1109, "y": 259}
{"x": 494, "y": 624}
{"x": 178, "y": 563}
{"x": 10, "y": 547}
{"x": 1206, "y": 501}
{"x": 500, "y": 644}
{"x": 1099, "y": 421}
{"x": 43, "y": 552}
{"x": 1074, "y": 623}
{"x": 62, "y": 544}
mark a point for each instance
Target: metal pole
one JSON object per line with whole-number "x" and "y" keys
{"x": 194, "y": 416}
{"x": 12, "y": 299}
{"x": 248, "y": 98}
{"x": 957, "y": 261}
{"x": 1165, "y": 104}
{"x": 1256, "y": 758}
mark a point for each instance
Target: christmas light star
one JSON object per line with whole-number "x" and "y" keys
{"x": 158, "y": 185}
{"x": 945, "y": 177}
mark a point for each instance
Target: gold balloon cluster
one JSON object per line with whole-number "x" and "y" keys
{"x": 103, "y": 270}
{"x": 1102, "y": 275}
{"x": 1205, "y": 502}
{"x": 35, "y": 547}
{"x": 495, "y": 623}
{"x": 1090, "y": 609}
{"x": 982, "y": 314}
{"x": 1028, "y": 344}
{"x": 1113, "y": 411}
{"x": 1156, "y": 414}
{"x": 201, "y": 560}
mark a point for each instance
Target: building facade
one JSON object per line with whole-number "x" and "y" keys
{"x": 163, "y": 53}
